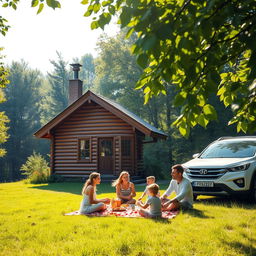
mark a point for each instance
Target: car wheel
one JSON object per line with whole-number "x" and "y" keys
{"x": 195, "y": 197}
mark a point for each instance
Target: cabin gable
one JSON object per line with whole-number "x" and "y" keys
{"x": 111, "y": 143}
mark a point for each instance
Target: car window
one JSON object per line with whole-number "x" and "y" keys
{"x": 230, "y": 149}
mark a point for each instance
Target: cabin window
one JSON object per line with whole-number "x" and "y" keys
{"x": 126, "y": 147}
{"x": 84, "y": 149}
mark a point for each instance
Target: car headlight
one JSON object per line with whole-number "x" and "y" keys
{"x": 186, "y": 169}
{"x": 239, "y": 168}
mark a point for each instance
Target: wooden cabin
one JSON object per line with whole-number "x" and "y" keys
{"x": 96, "y": 134}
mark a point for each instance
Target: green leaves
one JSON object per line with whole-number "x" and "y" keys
{"x": 51, "y": 3}
{"x": 142, "y": 60}
{"x": 34, "y": 3}
{"x": 41, "y": 6}
{"x": 125, "y": 16}
{"x": 198, "y": 48}
{"x": 84, "y": 2}
{"x": 210, "y": 112}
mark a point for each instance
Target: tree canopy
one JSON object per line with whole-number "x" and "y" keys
{"x": 195, "y": 47}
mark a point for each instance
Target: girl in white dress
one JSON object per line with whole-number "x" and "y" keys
{"x": 89, "y": 203}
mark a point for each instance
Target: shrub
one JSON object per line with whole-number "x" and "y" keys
{"x": 36, "y": 169}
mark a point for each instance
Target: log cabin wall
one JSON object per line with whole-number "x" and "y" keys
{"x": 93, "y": 122}
{"x": 128, "y": 154}
{"x": 139, "y": 156}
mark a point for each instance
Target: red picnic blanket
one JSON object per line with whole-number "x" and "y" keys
{"x": 128, "y": 213}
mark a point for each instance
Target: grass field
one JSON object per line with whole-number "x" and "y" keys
{"x": 32, "y": 223}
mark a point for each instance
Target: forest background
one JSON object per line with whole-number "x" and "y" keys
{"x": 32, "y": 99}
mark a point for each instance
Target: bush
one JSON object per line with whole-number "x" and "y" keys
{"x": 36, "y": 169}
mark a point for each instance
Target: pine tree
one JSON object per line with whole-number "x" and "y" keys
{"x": 58, "y": 95}
{"x": 22, "y": 108}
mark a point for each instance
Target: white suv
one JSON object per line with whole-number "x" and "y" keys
{"x": 227, "y": 166}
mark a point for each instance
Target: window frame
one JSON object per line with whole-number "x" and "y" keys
{"x": 79, "y": 152}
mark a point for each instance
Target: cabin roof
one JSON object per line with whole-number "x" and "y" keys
{"x": 108, "y": 104}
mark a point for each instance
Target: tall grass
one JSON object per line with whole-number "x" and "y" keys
{"x": 32, "y": 223}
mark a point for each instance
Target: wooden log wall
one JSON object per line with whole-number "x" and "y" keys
{"x": 127, "y": 162}
{"x": 139, "y": 155}
{"x": 92, "y": 121}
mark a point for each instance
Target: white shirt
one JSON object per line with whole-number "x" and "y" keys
{"x": 183, "y": 190}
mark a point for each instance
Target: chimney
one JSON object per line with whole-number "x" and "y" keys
{"x": 75, "y": 85}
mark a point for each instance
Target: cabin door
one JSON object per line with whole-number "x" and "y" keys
{"x": 106, "y": 155}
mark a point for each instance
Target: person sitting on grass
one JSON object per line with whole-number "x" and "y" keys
{"x": 125, "y": 189}
{"x": 89, "y": 203}
{"x": 153, "y": 202}
{"x": 150, "y": 180}
{"x": 183, "y": 189}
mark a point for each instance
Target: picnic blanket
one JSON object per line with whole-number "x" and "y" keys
{"x": 128, "y": 213}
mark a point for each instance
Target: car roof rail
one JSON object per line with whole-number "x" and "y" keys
{"x": 236, "y": 137}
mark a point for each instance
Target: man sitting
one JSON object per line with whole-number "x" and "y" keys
{"x": 183, "y": 189}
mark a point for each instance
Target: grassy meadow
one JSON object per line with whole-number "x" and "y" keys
{"x": 32, "y": 223}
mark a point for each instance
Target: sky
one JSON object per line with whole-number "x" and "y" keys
{"x": 36, "y": 38}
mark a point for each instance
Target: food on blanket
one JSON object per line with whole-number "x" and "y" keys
{"x": 120, "y": 208}
{"x": 125, "y": 205}
{"x": 115, "y": 203}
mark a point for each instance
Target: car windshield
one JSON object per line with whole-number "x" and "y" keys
{"x": 230, "y": 149}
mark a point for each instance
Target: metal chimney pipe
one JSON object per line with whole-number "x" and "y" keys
{"x": 76, "y": 69}
{"x": 75, "y": 85}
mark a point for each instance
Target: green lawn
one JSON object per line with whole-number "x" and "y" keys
{"x": 32, "y": 223}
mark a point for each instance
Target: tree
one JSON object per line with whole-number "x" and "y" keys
{"x": 22, "y": 108}
{"x": 189, "y": 45}
{"x": 3, "y": 118}
{"x": 87, "y": 73}
{"x": 57, "y": 98}
{"x": 117, "y": 74}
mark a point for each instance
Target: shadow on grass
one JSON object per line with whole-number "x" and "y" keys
{"x": 162, "y": 221}
{"x": 197, "y": 213}
{"x": 249, "y": 250}
{"x": 73, "y": 187}
{"x": 228, "y": 202}
{"x": 67, "y": 187}
{"x": 76, "y": 187}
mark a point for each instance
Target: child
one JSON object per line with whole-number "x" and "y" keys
{"x": 125, "y": 189}
{"x": 90, "y": 203}
{"x": 150, "y": 180}
{"x": 153, "y": 202}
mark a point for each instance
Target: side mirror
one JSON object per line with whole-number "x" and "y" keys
{"x": 196, "y": 155}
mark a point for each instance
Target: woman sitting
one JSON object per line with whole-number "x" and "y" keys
{"x": 125, "y": 189}
{"x": 89, "y": 203}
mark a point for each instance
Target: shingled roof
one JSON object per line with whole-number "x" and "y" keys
{"x": 108, "y": 104}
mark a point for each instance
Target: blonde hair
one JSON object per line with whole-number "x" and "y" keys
{"x": 151, "y": 178}
{"x": 89, "y": 181}
{"x": 118, "y": 181}
{"x": 154, "y": 188}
